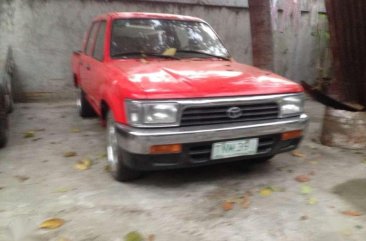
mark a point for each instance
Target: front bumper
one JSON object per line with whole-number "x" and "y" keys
{"x": 135, "y": 143}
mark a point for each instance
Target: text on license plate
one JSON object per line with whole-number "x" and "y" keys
{"x": 229, "y": 149}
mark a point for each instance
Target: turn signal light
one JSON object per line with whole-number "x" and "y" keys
{"x": 166, "y": 149}
{"x": 291, "y": 135}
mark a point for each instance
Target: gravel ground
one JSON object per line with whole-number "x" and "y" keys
{"x": 215, "y": 203}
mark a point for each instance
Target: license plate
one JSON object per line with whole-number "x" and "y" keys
{"x": 229, "y": 149}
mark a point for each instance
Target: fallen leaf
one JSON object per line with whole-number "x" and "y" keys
{"x": 151, "y": 237}
{"x": 83, "y": 164}
{"x": 304, "y": 218}
{"x": 359, "y": 227}
{"x": 63, "y": 189}
{"x": 312, "y": 201}
{"x": 352, "y": 213}
{"x": 52, "y": 223}
{"x": 28, "y": 134}
{"x": 245, "y": 202}
{"x": 134, "y": 236}
{"x": 107, "y": 168}
{"x": 302, "y": 178}
{"x": 364, "y": 161}
{"x": 64, "y": 239}
{"x": 22, "y": 178}
{"x": 297, "y": 153}
{"x": 37, "y": 139}
{"x": 170, "y": 52}
{"x": 276, "y": 189}
{"x": 313, "y": 147}
{"x": 40, "y": 129}
{"x": 346, "y": 232}
{"x": 305, "y": 189}
{"x": 70, "y": 154}
{"x": 249, "y": 193}
{"x": 314, "y": 162}
{"x": 75, "y": 130}
{"x": 312, "y": 173}
{"x": 315, "y": 140}
{"x": 102, "y": 155}
{"x": 227, "y": 206}
{"x": 265, "y": 192}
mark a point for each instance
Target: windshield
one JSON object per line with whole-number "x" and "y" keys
{"x": 165, "y": 37}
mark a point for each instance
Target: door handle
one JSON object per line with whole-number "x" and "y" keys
{"x": 88, "y": 67}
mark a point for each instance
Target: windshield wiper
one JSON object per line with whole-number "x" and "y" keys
{"x": 143, "y": 54}
{"x": 202, "y": 52}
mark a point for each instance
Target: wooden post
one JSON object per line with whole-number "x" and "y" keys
{"x": 262, "y": 34}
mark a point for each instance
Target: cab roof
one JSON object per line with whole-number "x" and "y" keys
{"x": 131, "y": 15}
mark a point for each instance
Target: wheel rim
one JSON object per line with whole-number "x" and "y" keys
{"x": 78, "y": 101}
{"x": 112, "y": 146}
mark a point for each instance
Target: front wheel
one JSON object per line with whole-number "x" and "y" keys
{"x": 3, "y": 130}
{"x": 83, "y": 105}
{"x": 9, "y": 100}
{"x": 118, "y": 169}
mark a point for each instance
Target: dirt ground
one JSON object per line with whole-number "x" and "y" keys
{"x": 216, "y": 203}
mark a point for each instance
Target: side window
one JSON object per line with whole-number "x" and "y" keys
{"x": 99, "y": 42}
{"x": 91, "y": 38}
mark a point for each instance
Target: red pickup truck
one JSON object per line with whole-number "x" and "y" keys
{"x": 172, "y": 97}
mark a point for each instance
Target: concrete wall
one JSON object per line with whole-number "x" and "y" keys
{"x": 44, "y": 33}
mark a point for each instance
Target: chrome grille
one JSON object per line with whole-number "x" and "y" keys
{"x": 206, "y": 115}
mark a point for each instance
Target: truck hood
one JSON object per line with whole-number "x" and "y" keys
{"x": 161, "y": 79}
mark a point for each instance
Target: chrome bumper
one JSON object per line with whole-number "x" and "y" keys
{"x": 139, "y": 141}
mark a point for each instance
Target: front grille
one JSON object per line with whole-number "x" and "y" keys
{"x": 207, "y": 115}
{"x": 202, "y": 152}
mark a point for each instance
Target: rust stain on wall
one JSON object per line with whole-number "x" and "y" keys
{"x": 347, "y": 21}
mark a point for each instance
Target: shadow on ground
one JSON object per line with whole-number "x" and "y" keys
{"x": 204, "y": 174}
{"x": 354, "y": 192}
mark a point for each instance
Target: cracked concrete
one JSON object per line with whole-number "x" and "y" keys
{"x": 37, "y": 182}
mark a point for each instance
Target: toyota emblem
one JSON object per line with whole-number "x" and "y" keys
{"x": 234, "y": 112}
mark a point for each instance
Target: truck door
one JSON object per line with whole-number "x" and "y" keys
{"x": 98, "y": 71}
{"x": 85, "y": 63}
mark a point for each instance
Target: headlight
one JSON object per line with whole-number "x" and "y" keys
{"x": 148, "y": 113}
{"x": 292, "y": 105}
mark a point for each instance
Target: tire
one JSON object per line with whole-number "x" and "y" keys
{"x": 84, "y": 108}
{"x": 3, "y": 129}
{"x": 118, "y": 169}
{"x": 9, "y": 100}
{"x": 10, "y": 104}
